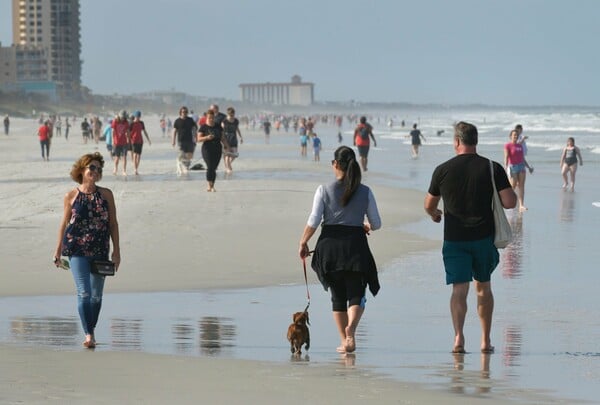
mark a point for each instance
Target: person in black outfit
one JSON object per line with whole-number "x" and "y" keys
{"x": 211, "y": 136}
{"x": 219, "y": 116}
{"x": 464, "y": 183}
{"x": 184, "y": 129}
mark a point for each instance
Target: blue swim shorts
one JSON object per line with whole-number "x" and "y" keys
{"x": 468, "y": 260}
{"x": 516, "y": 169}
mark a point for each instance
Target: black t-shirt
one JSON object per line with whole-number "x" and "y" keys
{"x": 465, "y": 185}
{"x": 185, "y": 128}
{"x": 415, "y": 137}
{"x": 215, "y": 130}
{"x": 219, "y": 118}
{"x": 230, "y": 127}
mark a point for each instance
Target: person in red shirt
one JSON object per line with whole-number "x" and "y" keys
{"x": 121, "y": 140}
{"x": 136, "y": 129}
{"x": 44, "y": 136}
{"x": 362, "y": 140}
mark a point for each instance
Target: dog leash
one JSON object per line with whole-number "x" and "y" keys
{"x": 306, "y": 282}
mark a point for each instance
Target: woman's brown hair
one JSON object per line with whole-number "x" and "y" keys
{"x": 82, "y": 163}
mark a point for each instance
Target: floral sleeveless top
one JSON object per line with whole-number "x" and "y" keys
{"x": 87, "y": 233}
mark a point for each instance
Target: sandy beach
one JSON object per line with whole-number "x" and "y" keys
{"x": 176, "y": 237}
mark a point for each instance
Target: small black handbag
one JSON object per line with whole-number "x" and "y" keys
{"x": 103, "y": 267}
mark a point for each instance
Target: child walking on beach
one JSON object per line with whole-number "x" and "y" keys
{"x": 316, "y": 147}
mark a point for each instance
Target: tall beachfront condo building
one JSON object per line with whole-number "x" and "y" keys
{"x": 53, "y": 27}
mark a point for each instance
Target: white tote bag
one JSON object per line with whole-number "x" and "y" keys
{"x": 503, "y": 233}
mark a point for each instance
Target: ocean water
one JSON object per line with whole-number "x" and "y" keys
{"x": 546, "y": 320}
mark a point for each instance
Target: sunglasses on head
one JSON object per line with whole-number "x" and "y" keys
{"x": 95, "y": 168}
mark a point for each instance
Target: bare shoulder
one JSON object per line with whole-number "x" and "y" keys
{"x": 106, "y": 192}
{"x": 71, "y": 194}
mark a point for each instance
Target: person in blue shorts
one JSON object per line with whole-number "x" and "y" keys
{"x": 465, "y": 184}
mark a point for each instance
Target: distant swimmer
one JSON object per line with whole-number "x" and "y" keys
{"x": 415, "y": 140}
{"x": 568, "y": 163}
{"x": 440, "y": 132}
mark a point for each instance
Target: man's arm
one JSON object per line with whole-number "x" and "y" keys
{"x": 508, "y": 198}
{"x": 372, "y": 136}
{"x": 431, "y": 207}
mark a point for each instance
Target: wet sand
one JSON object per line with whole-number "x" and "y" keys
{"x": 207, "y": 287}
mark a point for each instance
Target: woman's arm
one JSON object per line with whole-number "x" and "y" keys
{"x": 309, "y": 231}
{"x": 505, "y": 157}
{"x": 67, "y": 204}
{"x": 562, "y": 157}
{"x": 372, "y": 214}
{"x": 579, "y": 156}
{"x": 113, "y": 226}
{"x": 202, "y": 136}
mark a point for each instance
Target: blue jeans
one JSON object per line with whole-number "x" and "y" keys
{"x": 89, "y": 292}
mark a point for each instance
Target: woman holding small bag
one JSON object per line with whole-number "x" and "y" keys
{"x": 88, "y": 224}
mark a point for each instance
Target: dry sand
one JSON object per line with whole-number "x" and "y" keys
{"x": 176, "y": 236}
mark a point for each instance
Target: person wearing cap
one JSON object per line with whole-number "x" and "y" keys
{"x": 121, "y": 140}
{"x": 137, "y": 141}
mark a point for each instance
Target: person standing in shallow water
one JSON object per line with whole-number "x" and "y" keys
{"x": 415, "y": 140}
{"x": 342, "y": 258}
{"x": 515, "y": 164}
{"x": 88, "y": 225}
{"x": 568, "y": 163}
{"x": 465, "y": 184}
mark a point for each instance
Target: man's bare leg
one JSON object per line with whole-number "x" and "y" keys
{"x": 485, "y": 309}
{"x": 458, "y": 310}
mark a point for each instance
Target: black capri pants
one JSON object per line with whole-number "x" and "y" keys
{"x": 347, "y": 289}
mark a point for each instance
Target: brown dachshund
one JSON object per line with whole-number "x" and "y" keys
{"x": 298, "y": 332}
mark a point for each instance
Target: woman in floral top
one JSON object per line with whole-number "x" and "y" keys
{"x": 89, "y": 222}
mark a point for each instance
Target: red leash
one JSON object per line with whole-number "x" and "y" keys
{"x": 306, "y": 282}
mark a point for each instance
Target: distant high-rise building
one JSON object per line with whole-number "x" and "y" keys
{"x": 52, "y": 26}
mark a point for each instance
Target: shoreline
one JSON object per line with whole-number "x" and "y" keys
{"x": 198, "y": 241}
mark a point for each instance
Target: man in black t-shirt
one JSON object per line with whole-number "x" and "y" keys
{"x": 184, "y": 133}
{"x": 219, "y": 116}
{"x": 465, "y": 184}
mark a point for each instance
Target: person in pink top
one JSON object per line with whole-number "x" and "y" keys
{"x": 136, "y": 129}
{"x": 515, "y": 164}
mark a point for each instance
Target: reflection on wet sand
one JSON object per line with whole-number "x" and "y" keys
{"x": 567, "y": 207}
{"x": 470, "y": 382}
{"x": 183, "y": 336}
{"x": 215, "y": 333}
{"x": 513, "y": 254}
{"x": 53, "y": 331}
{"x": 513, "y": 341}
{"x": 126, "y": 333}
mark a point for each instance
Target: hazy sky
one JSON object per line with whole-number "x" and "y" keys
{"x": 420, "y": 51}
